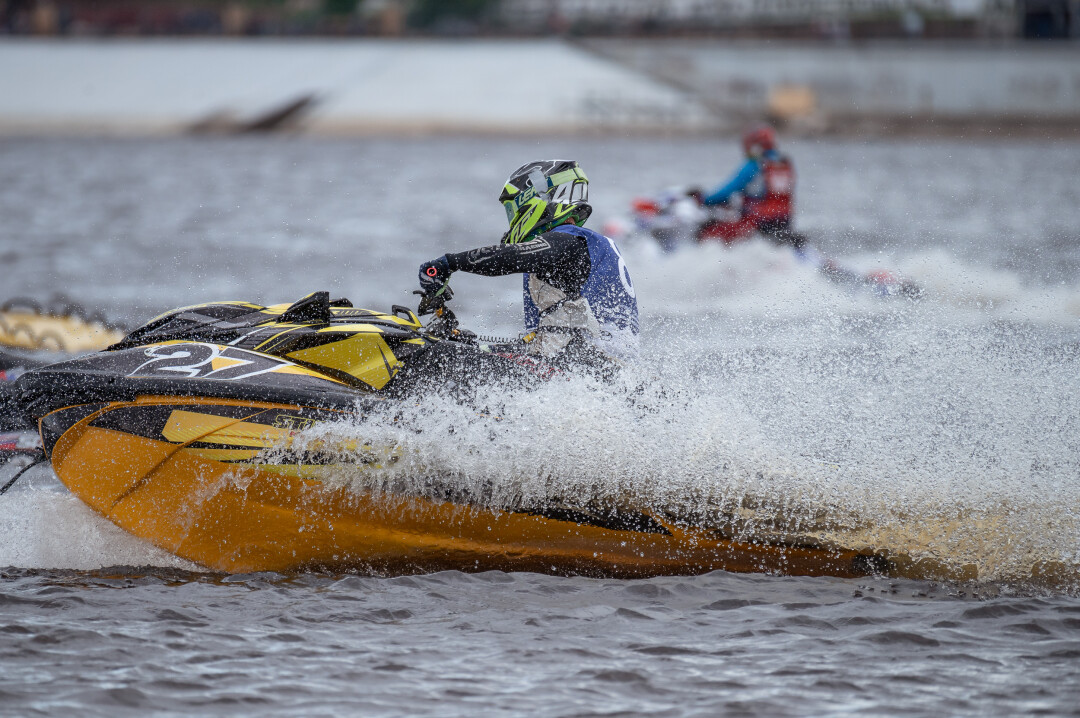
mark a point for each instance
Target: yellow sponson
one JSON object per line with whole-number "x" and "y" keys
{"x": 230, "y": 486}
{"x": 231, "y": 440}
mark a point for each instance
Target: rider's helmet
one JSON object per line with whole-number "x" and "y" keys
{"x": 758, "y": 141}
{"x": 541, "y": 195}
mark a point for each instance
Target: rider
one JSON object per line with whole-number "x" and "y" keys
{"x": 578, "y": 294}
{"x": 767, "y": 185}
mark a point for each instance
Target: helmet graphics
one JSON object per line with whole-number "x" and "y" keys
{"x": 541, "y": 195}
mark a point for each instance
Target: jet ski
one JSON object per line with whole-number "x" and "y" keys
{"x": 186, "y": 433}
{"x": 59, "y": 325}
{"x": 675, "y": 218}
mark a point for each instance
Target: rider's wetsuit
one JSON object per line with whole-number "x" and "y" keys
{"x": 577, "y": 291}
{"x": 766, "y": 186}
{"x": 738, "y": 183}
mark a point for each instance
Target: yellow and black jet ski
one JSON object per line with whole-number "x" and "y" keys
{"x": 181, "y": 434}
{"x": 59, "y": 325}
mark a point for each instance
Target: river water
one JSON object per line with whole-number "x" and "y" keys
{"x": 944, "y": 432}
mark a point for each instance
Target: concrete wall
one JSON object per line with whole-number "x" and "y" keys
{"x": 928, "y": 81}
{"x": 526, "y": 86}
{"x": 360, "y": 86}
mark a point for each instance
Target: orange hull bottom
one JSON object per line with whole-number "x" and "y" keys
{"x": 242, "y": 517}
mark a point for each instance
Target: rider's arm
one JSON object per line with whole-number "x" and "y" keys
{"x": 560, "y": 259}
{"x": 737, "y": 183}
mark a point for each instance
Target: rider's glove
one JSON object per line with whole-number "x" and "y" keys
{"x": 434, "y": 275}
{"x": 696, "y": 194}
{"x": 433, "y": 281}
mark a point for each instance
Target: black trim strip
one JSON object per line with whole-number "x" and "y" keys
{"x": 55, "y": 424}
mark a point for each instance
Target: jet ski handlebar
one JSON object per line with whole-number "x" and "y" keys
{"x": 445, "y": 323}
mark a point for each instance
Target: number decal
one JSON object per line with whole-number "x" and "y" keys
{"x": 189, "y": 359}
{"x": 196, "y": 360}
{"x": 624, "y": 274}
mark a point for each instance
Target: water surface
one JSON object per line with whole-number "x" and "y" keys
{"x": 944, "y": 432}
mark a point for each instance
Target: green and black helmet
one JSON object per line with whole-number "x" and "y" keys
{"x": 541, "y": 195}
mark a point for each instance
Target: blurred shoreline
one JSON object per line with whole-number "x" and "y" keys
{"x": 420, "y": 87}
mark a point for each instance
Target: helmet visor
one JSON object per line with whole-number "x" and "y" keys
{"x": 571, "y": 192}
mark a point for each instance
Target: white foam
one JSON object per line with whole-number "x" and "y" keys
{"x": 46, "y": 527}
{"x": 757, "y": 279}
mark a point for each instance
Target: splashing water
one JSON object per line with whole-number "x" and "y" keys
{"x": 951, "y": 448}
{"x": 770, "y": 404}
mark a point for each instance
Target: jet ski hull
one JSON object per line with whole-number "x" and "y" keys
{"x": 197, "y": 477}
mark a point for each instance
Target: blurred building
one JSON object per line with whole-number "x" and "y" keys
{"x": 802, "y": 19}
{"x": 1049, "y": 19}
{"x": 182, "y": 17}
{"x": 765, "y": 18}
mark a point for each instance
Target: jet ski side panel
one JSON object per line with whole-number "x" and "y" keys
{"x": 143, "y": 465}
{"x": 213, "y": 481}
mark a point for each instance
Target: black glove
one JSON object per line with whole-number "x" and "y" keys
{"x": 696, "y": 194}
{"x": 434, "y": 275}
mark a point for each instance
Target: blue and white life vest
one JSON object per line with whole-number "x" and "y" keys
{"x": 606, "y": 311}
